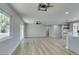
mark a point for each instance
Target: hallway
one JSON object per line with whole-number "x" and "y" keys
{"x": 42, "y": 46}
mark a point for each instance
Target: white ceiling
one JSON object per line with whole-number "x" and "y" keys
{"x": 56, "y": 15}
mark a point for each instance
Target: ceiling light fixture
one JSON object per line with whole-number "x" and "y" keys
{"x": 38, "y": 22}
{"x": 66, "y": 12}
{"x": 44, "y": 6}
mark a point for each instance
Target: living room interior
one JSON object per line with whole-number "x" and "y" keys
{"x": 39, "y": 28}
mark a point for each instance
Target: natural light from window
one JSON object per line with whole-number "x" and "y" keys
{"x": 76, "y": 29}
{"x": 4, "y": 24}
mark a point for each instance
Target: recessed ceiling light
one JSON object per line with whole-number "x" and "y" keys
{"x": 66, "y": 12}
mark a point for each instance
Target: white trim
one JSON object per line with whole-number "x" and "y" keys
{"x": 67, "y": 47}
{"x": 67, "y": 42}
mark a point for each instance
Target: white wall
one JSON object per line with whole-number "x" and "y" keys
{"x": 7, "y": 46}
{"x": 55, "y": 31}
{"x": 34, "y": 30}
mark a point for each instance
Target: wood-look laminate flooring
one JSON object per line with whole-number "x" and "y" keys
{"x": 42, "y": 46}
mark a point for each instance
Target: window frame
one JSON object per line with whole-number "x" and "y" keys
{"x": 8, "y": 15}
{"x": 76, "y": 29}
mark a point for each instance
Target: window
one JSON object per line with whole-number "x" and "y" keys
{"x": 76, "y": 29}
{"x": 4, "y": 24}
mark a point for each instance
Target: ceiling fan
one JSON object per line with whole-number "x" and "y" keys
{"x": 44, "y": 6}
{"x": 38, "y": 22}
